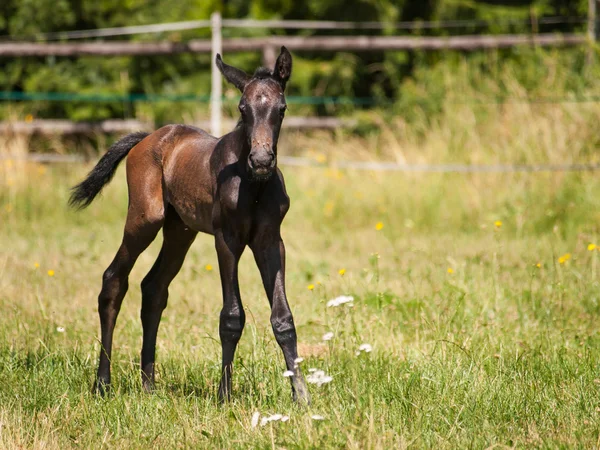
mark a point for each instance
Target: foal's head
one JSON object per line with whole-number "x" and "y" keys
{"x": 262, "y": 107}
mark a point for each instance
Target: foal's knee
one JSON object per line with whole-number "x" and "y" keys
{"x": 283, "y": 328}
{"x": 231, "y": 325}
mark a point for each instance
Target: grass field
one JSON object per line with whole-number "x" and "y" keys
{"x": 478, "y": 294}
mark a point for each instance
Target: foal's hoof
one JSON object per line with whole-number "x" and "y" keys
{"x": 224, "y": 397}
{"x": 101, "y": 388}
{"x": 148, "y": 386}
{"x": 301, "y": 396}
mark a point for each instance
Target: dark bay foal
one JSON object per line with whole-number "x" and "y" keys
{"x": 185, "y": 181}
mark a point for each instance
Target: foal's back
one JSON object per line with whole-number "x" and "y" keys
{"x": 173, "y": 166}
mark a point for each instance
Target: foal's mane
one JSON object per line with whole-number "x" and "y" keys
{"x": 262, "y": 72}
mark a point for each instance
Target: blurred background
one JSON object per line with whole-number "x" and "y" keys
{"x": 392, "y": 77}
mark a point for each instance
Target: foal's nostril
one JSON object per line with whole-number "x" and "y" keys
{"x": 262, "y": 160}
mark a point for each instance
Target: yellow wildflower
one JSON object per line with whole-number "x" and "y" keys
{"x": 36, "y": 265}
{"x": 328, "y": 208}
{"x": 564, "y": 258}
{"x": 498, "y": 223}
{"x": 28, "y": 118}
{"x": 208, "y": 267}
{"x": 320, "y": 158}
{"x": 591, "y": 247}
{"x": 311, "y": 287}
{"x": 335, "y": 174}
{"x": 379, "y": 226}
{"x": 450, "y": 270}
{"x": 538, "y": 265}
{"x": 342, "y": 272}
{"x": 51, "y": 273}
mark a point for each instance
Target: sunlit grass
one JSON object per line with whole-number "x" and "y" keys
{"x": 473, "y": 319}
{"x": 481, "y": 330}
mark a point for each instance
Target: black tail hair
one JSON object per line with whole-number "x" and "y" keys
{"x": 85, "y": 192}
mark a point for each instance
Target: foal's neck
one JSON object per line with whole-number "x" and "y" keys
{"x": 238, "y": 143}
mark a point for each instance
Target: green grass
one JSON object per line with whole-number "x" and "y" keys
{"x": 497, "y": 353}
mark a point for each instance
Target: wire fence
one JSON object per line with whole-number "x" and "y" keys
{"x": 299, "y": 25}
{"x": 382, "y": 166}
{"x": 297, "y": 100}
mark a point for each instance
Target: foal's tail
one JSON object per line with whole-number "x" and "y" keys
{"x": 84, "y": 193}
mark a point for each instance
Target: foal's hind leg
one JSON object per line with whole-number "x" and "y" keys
{"x": 114, "y": 287}
{"x": 144, "y": 219}
{"x": 155, "y": 287}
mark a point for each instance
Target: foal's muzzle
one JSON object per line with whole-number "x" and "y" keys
{"x": 262, "y": 164}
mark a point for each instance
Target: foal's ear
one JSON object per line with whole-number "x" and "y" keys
{"x": 235, "y": 76}
{"x": 283, "y": 67}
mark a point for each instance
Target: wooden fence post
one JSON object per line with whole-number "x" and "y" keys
{"x": 269, "y": 56}
{"x": 216, "y": 83}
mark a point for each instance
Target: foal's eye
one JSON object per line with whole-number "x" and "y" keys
{"x": 282, "y": 109}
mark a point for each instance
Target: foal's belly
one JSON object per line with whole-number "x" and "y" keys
{"x": 198, "y": 217}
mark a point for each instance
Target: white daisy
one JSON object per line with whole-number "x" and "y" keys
{"x": 340, "y": 300}
{"x": 319, "y": 378}
{"x": 365, "y": 348}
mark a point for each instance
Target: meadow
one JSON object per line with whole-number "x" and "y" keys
{"x": 478, "y": 294}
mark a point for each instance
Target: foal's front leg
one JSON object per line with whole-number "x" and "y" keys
{"x": 233, "y": 318}
{"x": 269, "y": 253}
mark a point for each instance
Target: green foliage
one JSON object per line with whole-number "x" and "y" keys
{"x": 389, "y": 77}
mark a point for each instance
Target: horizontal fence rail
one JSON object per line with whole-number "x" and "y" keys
{"x": 58, "y": 127}
{"x": 374, "y": 166}
{"x": 295, "y": 43}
